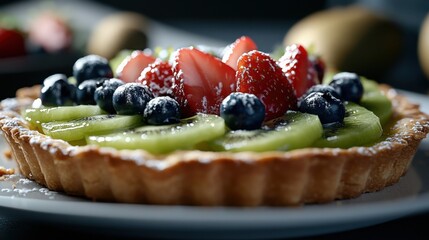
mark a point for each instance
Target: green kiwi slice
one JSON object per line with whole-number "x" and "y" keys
{"x": 291, "y": 131}
{"x": 77, "y": 129}
{"x": 36, "y": 116}
{"x": 163, "y": 139}
{"x": 360, "y": 127}
{"x": 374, "y": 100}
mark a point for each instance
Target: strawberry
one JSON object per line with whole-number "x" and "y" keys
{"x": 259, "y": 74}
{"x": 158, "y": 76}
{"x": 295, "y": 64}
{"x": 131, "y": 67}
{"x": 233, "y": 51}
{"x": 12, "y": 43}
{"x": 51, "y": 32}
{"x": 201, "y": 81}
{"x": 318, "y": 65}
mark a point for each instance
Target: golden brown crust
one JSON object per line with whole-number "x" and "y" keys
{"x": 310, "y": 175}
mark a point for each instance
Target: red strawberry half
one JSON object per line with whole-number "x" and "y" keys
{"x": 242, "y": 45}
{"x": 295, "y": 64}
{"x": 130, "y": 68}
{"x": 158, "y": 76}
{"x": 259, "y": 74}
{"x": 201, "y": 81}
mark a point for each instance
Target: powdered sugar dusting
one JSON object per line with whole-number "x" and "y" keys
{"x": 15, "y": 185}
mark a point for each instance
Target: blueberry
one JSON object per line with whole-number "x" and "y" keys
{"x": 348, "y": 85}
{"x": 57, "y": 91}
{"x": 320, "y": 88}
{"x": 91, "y": 67}
{"x": 103, "y": 95}
{"x": 162, "y": 110}
{"x": 85, "y": 92}
{"x": 131, "y": 98}
{"x": 242, "y": 111}
{"x": 329, "y": 108}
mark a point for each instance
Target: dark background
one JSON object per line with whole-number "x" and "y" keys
{"x": 191, "y": 9}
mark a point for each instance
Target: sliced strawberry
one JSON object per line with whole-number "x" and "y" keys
{"x": 259, "y": 74}
{"x": 233, "y": 51}
{"x": 295, "y": 64}
{"x": 158, "y": 76}
{"x": 131, "y": 67}
{"x": 201, "y": 81}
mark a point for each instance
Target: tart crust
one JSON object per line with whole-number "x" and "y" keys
{"x": 302, "y": 176}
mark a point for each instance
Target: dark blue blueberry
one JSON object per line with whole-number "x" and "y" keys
{"x": 131, "y": 98}
{"x": 348, "y": 85}
{"x": 329, "y": 108}
{"x": 162, "y": 110}
{"x": 242, "y": 111}
{"x": 91, "y": 67}
{"x": 85, "y": 92}
{"x": 103, "y": 95}
{"x": 320, "y": 88}
{"x": 57, "y": 91}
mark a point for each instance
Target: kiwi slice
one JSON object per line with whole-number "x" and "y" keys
{"x": 77, "y": 129}
{"x": 163, "y": 139}
{"x": 374, "y": 100}
{"x": 36, "y": 116}
{"x": 291, "y": 131}
{"x": 360, "y": 127}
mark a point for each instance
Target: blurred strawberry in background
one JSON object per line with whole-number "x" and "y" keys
{"x": 12, "y": 43}
{"x": 50, "y": 32}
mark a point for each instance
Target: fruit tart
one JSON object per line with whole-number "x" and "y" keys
{"x": 237, "y": 127}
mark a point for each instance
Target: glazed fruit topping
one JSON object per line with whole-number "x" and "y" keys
{"x": 201, "y": 81}
{"x": 131, "y": 98}
{"x": 103, "y": 95}
{"x": 328, "y": 108}
{"x": 85, "y": 92}
{"x": 91, "y": 67}
{"x": 232, "y": 52}
{"x": 259, "y": 74}
{"x": 298, "y": 69}
{"x": 240, "y": 101}
{"x": 162, "y": 110}
{"x": 130, "y": 68}
{"x": 242, "y": 111}
{"x": 57, "y": 91}
{"x": 348, "y": 85}
{"x": 320, "y": 88}
{"x": 317, "y": 63}
{"x": 158, "y": 76}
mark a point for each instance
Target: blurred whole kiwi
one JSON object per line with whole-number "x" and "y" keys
{"x": 423, "y": 46}
{"x": 350, "y": 38}
{"x": 116, "y": 32}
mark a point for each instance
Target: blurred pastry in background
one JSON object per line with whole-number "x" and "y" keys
{"x": 351, "y": 38}
{"x": 423, "y": 46}
{"x": 116, "y": 32}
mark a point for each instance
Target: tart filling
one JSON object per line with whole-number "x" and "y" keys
{"x": 241, "y": 130}
{"x": 308, "y": 175}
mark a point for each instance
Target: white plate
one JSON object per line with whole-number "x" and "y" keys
{"x": 24, "y": 198}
